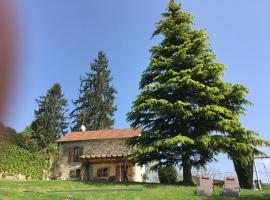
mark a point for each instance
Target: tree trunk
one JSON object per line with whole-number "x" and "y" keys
{"x": 187, "y": 176}
{"x": 244, "y": 174}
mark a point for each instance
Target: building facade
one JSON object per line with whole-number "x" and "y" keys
{"x": 99, "y": 155}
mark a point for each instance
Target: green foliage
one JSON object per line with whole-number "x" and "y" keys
{"x": 187, "y": 111}
{"x": 8, "y": 134}
{"x": 50, "y": 118}
{"x": 95, "y": 106}
{"x": 245, "y": 173}
{"x": 112, "y": 179}
{"x": 26, "y": 141}
{"x": 52, "y": 149}
{"x": 167, "y": 174}
{"x": 144, "y": 177}
{"x": 15, "y": 160}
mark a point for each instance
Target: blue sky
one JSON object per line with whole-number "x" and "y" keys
{"x": 57, "y": 39}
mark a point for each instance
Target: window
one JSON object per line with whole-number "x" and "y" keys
{"x": 74, "y": 154}
{"x": 75, "y": 173}
{"x": 77, "y": 153}
{"x": 103, "y": 172}
{"x": 78, "y": 173}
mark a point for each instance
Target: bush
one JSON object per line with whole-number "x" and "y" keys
{"x": 167, "y": 174}
{"x": 112, "y": 179}
{"x": 15, "y": 160}
{"x": 144, "y": 177}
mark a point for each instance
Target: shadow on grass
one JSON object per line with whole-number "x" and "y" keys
{"x": 126, "y": 184}
{"x": 108, "y": 184}
{"x": 255, "y": 196}
{"x": 145, "y": 185}
{"x": 264, "y": 196}
{"x": 85, "y": 190}
{"x": 155, "y": 185}
{"x": 246, "y": 197}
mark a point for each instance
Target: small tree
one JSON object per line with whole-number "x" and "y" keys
{"x": 50, "y": 118}
{"x": 95, "y": 106}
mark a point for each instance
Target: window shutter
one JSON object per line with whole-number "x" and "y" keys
{"x": 70, "y": 154}
{"x": 99, "y": 173}
{"x": 130, "y": 171}
{"x": 72, "y": 173}
{"x": 118, "y": 172}
{"x": 81, "y": 151}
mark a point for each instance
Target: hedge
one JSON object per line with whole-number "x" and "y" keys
{"x": 15, "y": 160}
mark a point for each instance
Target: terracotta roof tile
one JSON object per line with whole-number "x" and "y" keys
{"x": 100, "y": 134}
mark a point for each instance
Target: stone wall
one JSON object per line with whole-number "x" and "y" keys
{"x": 18, "y": 177}
{"x": 100, "y": 147}
{"x": 108, "y": 146}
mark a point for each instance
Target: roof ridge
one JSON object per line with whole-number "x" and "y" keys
{"x": 104, "y": 130}
{"x": 98, "y": 135}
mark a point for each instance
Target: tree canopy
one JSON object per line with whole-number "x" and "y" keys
{"x": 95, "y": 106}
{"x": 26, "y": 141}
{"x": 50, "y": 118}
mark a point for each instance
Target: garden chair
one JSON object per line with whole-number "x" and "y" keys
{"x": 205, "y": 186}
{"x": 231, "y": 187}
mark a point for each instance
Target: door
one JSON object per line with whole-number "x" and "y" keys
{"x": 130, "y": 173}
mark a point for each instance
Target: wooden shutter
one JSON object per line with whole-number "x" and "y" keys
{"x": 118, "y": 175}
{"x": 81, "y": 151}
{"x": 72, "y": 173}
{"x": 130, "y": 171}
{"x": 70, "y": 154}
{"x": 99, "y": 173}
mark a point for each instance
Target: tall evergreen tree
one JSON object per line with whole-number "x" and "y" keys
{"x": 50, "y": 118}
{"x": 187, "y": 111}
{"x": 95, "y": 106}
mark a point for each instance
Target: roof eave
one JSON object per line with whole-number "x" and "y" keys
{"x": 57, "y": 141}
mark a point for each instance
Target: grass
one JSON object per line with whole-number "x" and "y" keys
{"x": 28, "y": 190}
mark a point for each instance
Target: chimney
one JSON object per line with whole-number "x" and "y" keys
{"x": 83, "y": 128}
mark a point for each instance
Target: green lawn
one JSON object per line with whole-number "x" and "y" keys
{"x": 27, "y": 190}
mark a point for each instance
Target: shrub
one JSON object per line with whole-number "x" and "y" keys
{"x": 15, "y": 160}
{"x": 112, "y": 179}
{"x": 167, "y": 174}
{"x": 144, "y": 177}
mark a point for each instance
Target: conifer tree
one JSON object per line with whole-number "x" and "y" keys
{"x": 187, "y": 111}
{"x": 95, "y": 106}
{"x": 50, "y": 118}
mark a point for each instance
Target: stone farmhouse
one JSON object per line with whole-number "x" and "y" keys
{"x": 99, "y": 155}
